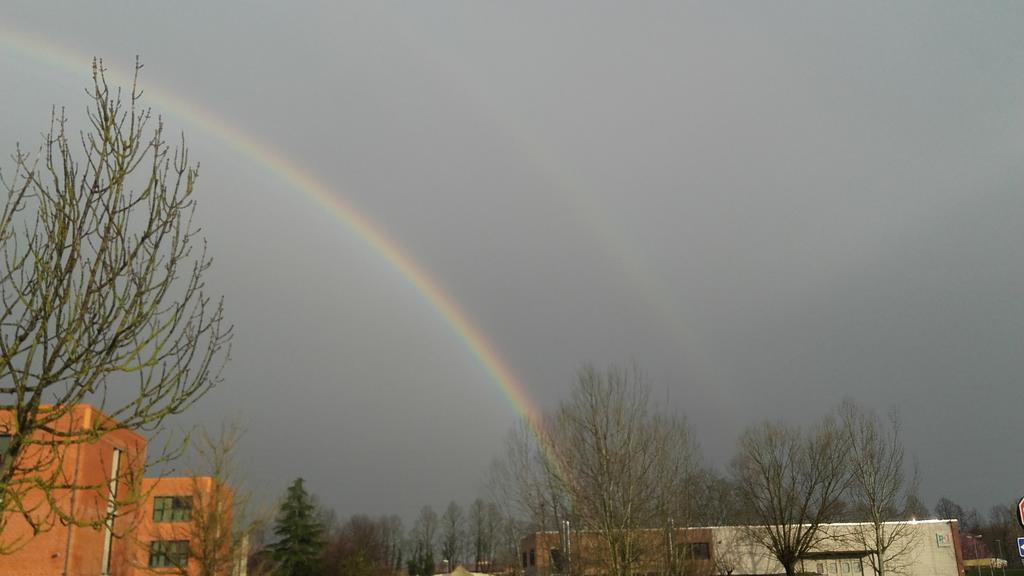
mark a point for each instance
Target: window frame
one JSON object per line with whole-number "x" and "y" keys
{"x": 172, "y": 509}
{"x": 168, "y": 554}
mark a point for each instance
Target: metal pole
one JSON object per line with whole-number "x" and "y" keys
{"x": 568, "y": 548}
{"x": 1000, "y": 544}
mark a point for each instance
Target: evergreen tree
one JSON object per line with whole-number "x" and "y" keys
{"x": 300, "y": 535}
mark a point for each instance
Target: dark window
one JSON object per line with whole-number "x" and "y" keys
{"x": 5, "y": 443}
{"x": 525, "y": 559}
{"x": 557, "y": 561}
{"x": 168, "y": 554}
{"x": 172, "y": 509}
{"x": 697, "y": 551}
{"x": 533, "y": 557}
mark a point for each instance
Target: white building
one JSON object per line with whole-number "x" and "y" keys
{"x": 925, "y": 548}
{"x": 918, "y": 548}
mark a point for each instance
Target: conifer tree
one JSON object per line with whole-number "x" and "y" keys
{"x": 300, "y": 535}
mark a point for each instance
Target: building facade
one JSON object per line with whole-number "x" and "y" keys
{"x": 184, "y": 524}
{"x": 100, "y": 474}
{"x": 585, "y": 553}
{"x": 926, "y": 548}
{"x": 101, "y": 517}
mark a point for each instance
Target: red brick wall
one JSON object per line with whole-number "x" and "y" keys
{"x": 199, "y": 488}
{"x": 73, "y": 550}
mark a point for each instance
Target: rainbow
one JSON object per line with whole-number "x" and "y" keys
{"x": 294, "y": 175}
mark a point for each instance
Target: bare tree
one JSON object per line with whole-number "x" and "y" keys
{"x": 493, "y": 522}
{"x": 718, "y": 503}
{"x": 508, "y": 551}
{"x": 1003, "y": 530}
{"x": 791, "y": 481}
{"x": 914, "y": 508}
{"x": 880, "y": 487}
{"x": 453, "y": 534}
{"x": 358, "y": 548}
{"x": 946, "y": 509}
{"x": 392, "y": 534}
{"x": 223, "y": 519}
{"x": 622, "y": 465}
{"x": 101, "y": 296}
{"x": 524, "y": 482}
{"x": 480, "y": 537}
{"x": 424, "y": 534}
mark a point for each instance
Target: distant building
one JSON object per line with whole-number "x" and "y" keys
{"x": 934, "y": 550}
{"x": 105, "y": 473}
{"x": 171, "y": 512}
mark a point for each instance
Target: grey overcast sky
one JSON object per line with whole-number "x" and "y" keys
{"x": 767, "y": 206}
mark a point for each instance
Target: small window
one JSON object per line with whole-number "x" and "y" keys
{"x": 846, "y": 567}
{"x": 172, "y": 509}
{"x": 820, "y": 569}
{"x": 525, "y": 560}
{"x": 168, "y": 554}
{"x": 5, "y": 443}
{"x": 697, "y": 551}
{"x": 533, "y": 557}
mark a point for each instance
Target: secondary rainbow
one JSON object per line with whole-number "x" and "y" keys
{"x": 271, "y": 159}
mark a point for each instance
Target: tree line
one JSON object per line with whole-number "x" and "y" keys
{"x": 609, "y": 460}
{"x": 307, "y": 539}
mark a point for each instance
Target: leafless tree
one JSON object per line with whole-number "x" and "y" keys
{"x": 508, "y": 552}
{"x": 880, "y": 486}
{"x": 223, "y": 517}
{"x": 424, "y": 531}
{"x": 622, "y": 465}
{"x": 791, "y": 480}
{"x": 493, "y": 522}
{"x": 524, "y": 482}
{"x": 453, "y": 534}
{"x": 718, "y": 503}
{"x": 1003, "y": 529}
{"x": 946, "y": 509}
{"x": 357, "y": 548}
{"x": 101, "y": 295}
{"x": 481, "y": 533}
{"x": 914, "y": 508}
{"x": 392, "y": 534}
{"x": 222, "y": 523}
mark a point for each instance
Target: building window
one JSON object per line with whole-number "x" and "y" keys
{"x": 168, "y": 554}
{"x": 5, "y": 444}
{"x": 172, "y": 509}
{"x": 697, "y": 551}
{"x": 533, "y": 557}
{"x": 525, "y": 564}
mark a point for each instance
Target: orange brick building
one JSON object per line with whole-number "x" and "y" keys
{"x": 165, "y": 539}
{"x": 90, "y": 479}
